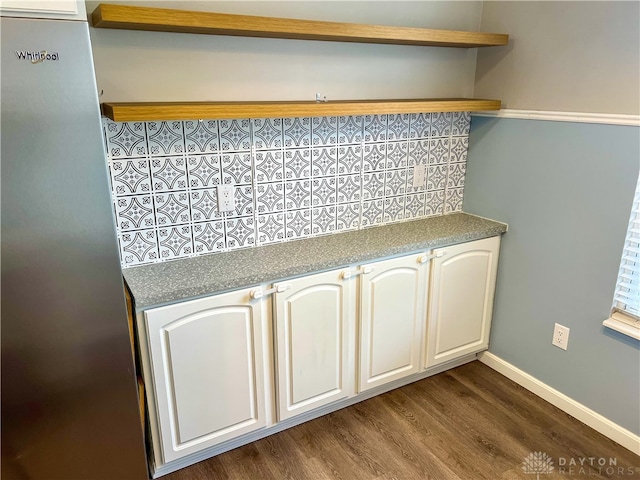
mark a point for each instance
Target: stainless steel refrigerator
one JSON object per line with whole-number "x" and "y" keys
{"x": 69, "y": 399}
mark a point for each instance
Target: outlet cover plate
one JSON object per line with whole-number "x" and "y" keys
{"x": 226, "y": 198}
{"x": 560, "y": 336}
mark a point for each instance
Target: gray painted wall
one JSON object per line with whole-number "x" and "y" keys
{"x": 155, "y": 66}
{"x": 565, "y": 189}
{"x": 567, "y": 56}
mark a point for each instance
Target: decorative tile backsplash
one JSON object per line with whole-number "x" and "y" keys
{"x": 292, "y": 177}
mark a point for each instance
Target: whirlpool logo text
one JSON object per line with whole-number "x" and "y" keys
{"x": 37, "y": 56}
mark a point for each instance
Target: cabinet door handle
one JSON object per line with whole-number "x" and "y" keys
{"x": 425, "y": 258}
{"x": 346, "y": 274}
{"x": 259, "y": 293}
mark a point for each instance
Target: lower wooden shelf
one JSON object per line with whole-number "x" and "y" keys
{"x": 128, "y": 112}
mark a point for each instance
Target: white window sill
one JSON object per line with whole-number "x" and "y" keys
{"x": 624, "y": 324}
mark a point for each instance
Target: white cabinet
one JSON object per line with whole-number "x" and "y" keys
{"x": 461, "y": 300}
{"x": 206, "y": 363}
{"x": 313, "y": 323}
{"x": 221, "y": 367}
{"x": 392, "y": 315}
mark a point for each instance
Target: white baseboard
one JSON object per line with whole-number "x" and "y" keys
{"x": 615, "y": 432}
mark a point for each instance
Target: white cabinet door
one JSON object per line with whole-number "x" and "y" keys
{"x": 313, "y": 319}
{"x": 207, "y": 364}
{"x": 392, "y": 312}
{"x": 461, "y": 300}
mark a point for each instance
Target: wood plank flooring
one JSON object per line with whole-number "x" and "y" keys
{"x": 467, "y": 423}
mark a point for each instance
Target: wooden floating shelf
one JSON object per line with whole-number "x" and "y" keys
{"x": 183, "y": 21}
{"x": 129, "y": 112}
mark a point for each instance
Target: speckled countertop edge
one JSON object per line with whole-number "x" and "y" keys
{"x": 170, "y": 282}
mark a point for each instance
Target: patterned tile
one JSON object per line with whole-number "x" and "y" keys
{"x": 441, "y": 124}
{"x": 349, "y": 159}
{"x": 235, "y": 135}
{"x": 130, "y": 176}
{"x": 323, "y": 191}
{"x": 269, "y": 197}
{"x": 297, "y": 194}
{"x": 437, "y": 177}
{"x": 349, "y": 188}
{"x": 204, "y": 205}
{"x": 270, "y": 228}
{"x": 397, "y": 154}
{"x": 458, "y": 150}
{"x": 308, "y": 176}
{"x": 324, "y": 131}
{"x": 240, "y": 233}
{"x": 414, "y": 205}
{"x": 460, "y": 123}
{"x": 418, "y": 152}
{"x": 439, "y": 151}
{"x": 165, "y": 138}
{"x": 175, "y": 242}
{"x": 267, "y": 133}
{"x": 126, "y": 140}
{"x": 297, "y": 132}
{"x": 375, "y": 128}
{"x": 324, "y": 161}
{"x": 297, "y": 163}
{"x": 454, "y": 197}
{"x": 204, "y": 171}
{"x": 455, "y": 178}
{"x": 236, "y": 168}
{"x": 348, "y": 217}
{"x": 372, "y": 212}
{"x": 243, "y": 195}
{"x": 269, "y": 166}
{"x": 372, "y": 185}
{"x": 134, "y": 213}
{"x": 208, "y": 237}
{"x": 419, "y": 125}
{"x": 323, "y": 220}
{"x": 138, "y": 247}
{"x": 201, "y": 136}
{"x": 393, "y": 209}
{"x": 350, "y": 129}
{"x": 434, "y": 203}
{"x": 398, "y": 127}
{"x": 395, "y": 182}
{"x": 374, "y": 157}
{"x": 169, "y": 173}
{"x": 298, "y": 224}
{"x": 172, "y": 208}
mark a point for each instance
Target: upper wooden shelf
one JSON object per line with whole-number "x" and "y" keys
{"x": 183, "y": 21}
{"x": 129, "y": 112}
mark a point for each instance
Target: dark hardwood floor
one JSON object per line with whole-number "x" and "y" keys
{"x": 467, "y": 423}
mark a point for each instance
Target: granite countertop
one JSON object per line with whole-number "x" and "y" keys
{"x": 169, "y": 282}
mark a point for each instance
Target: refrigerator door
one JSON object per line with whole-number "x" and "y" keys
{"x": 69, "y": 403}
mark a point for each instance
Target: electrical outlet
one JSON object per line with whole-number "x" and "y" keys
{"x": 560, "y": 336}
{"x": 419, "y": 174}
{"x": 226, "y": 198}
